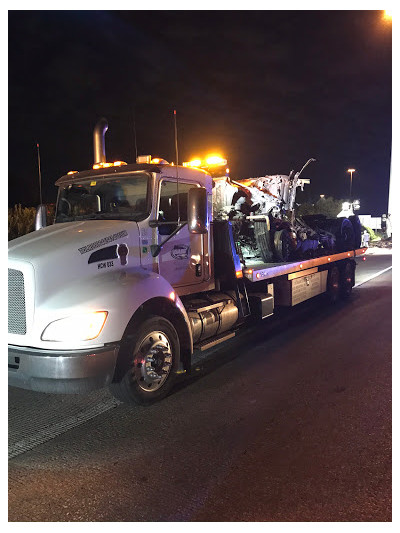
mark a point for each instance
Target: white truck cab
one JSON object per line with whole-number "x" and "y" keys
{"x": 77, "y": 285}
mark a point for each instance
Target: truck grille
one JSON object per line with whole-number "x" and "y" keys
{"x": 16, "y": 302}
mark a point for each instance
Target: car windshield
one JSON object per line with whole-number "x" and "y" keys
{"x": 117, "y": 197}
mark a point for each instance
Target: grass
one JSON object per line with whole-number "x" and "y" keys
{"x": 21, "y": 220}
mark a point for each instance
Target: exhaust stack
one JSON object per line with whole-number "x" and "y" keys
{"x": 99, "y": 142}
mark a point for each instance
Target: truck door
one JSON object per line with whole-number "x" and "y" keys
{"x": 181, "y": 258}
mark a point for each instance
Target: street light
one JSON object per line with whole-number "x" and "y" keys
{"x": 387, "y": 15}
{"x": 351, "y": 170}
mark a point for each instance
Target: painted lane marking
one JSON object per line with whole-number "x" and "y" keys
{"x": 58, "y": 428}
{"x": 372, "y": 277}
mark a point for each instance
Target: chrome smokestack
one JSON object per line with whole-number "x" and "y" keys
{"x": 98, "y": 141}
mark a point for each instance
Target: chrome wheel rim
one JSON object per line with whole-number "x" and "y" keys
{"x": 153, "y": 361}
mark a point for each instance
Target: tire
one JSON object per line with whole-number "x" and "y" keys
{"x": 282, "y": 245}
{"x": 357, "y": 230}
{"x": 333, "y": 284}
{"x": 148, "y": 359}
{"x": 263, "y": 240}
{"x": 343, "y": 230}
{"x": 346, "y": 280}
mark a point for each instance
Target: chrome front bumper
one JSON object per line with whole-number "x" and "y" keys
{"x": 62, "y": 372}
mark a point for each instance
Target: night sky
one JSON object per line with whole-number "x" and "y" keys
{"x": 268, "y": 89}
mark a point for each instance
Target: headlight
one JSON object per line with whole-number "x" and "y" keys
{"x": 82, "y": 327}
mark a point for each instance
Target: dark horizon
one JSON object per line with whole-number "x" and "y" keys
{"x": 267, "y": 89}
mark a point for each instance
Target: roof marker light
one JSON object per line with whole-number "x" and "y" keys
{"x": 106, "y": 165}
{"x": 159, "y": 161}
{"x": 101, "y": 165}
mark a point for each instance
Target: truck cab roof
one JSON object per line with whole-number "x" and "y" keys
{"x": 167, "y": 170}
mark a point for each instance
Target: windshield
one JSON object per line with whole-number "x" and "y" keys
{"x": 116, "y": 197}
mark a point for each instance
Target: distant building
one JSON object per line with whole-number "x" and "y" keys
{"x": 348, "y": 208}
{"x": 374, "y": 223}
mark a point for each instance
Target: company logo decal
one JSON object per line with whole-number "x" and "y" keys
{"x": 180, "y": 251}
{"x": 101, "y": 242}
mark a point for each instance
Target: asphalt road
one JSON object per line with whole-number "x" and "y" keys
{"x": 285, "y": 424}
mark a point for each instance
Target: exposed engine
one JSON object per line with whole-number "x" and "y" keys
{"x": 265, "y": 226}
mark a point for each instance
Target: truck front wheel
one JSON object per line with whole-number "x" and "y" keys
{"x": 149, "y": 358}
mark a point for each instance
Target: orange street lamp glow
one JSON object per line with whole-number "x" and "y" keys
{"x": 387, "y": 14}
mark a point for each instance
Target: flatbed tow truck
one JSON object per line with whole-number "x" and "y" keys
{"x": 140, "y": 270}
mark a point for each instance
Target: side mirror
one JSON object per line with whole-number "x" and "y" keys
{"x": 197, "y": 211}
{"x": 41, "y": 217}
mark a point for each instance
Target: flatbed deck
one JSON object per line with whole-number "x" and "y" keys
{"x": 257, "y": 271}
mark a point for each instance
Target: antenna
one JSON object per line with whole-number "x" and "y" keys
{"x": 176, "y": 155}
{"x": 134, "y": 134}
{"x": 311, "y": 160}
{"x": 40, "y": 173}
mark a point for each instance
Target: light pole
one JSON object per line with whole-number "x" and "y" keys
{"x": 351, "y": 170}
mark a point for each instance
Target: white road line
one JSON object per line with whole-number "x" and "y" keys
{"x": 49, "y": 432}
{"x": 372, "y": 277}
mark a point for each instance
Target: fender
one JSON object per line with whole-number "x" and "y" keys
{"x": 147, "y": 290}
{"x": 119, "y": 292}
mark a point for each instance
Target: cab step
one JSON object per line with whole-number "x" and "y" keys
{"x": 209, "y": 343}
